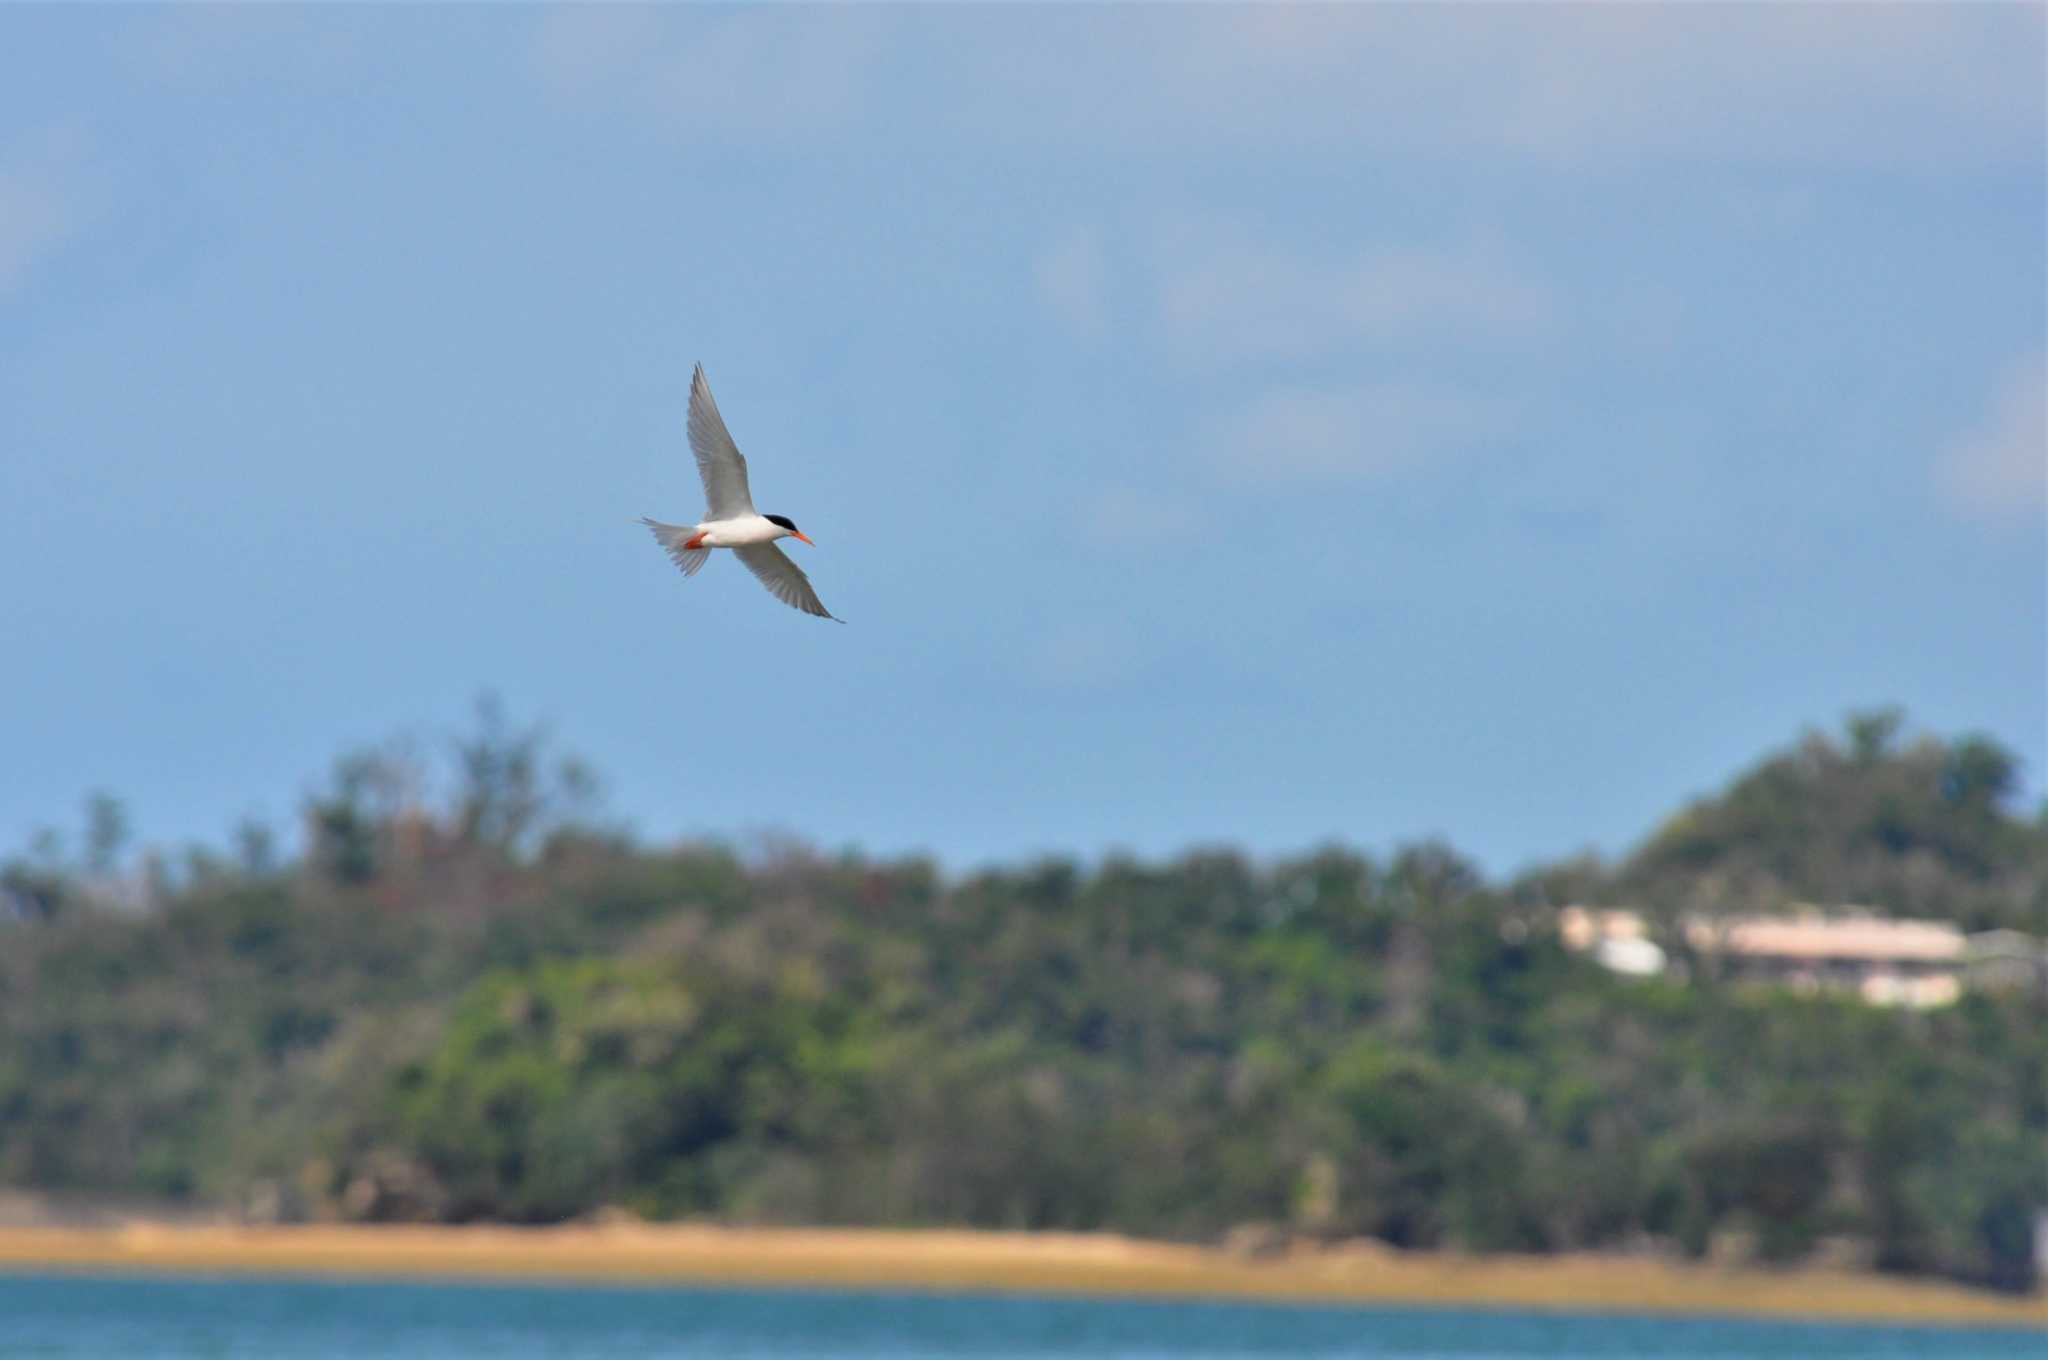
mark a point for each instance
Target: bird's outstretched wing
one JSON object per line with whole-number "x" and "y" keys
{"x": 785, "y": 579}
{"x": 718, "y": 459}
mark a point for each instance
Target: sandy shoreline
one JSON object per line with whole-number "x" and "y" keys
{"x": 1057, "y": 1263}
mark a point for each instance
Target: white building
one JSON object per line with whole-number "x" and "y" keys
{"x": 1887, "y": 962}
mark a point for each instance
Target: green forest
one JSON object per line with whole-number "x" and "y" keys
{"x": 470, "y": 997}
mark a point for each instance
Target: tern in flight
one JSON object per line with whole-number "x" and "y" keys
{"x": 730, "y": 519}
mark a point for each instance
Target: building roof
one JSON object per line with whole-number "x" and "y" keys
{"x": 1807, "y": 934}
{"x": 1869, "y": 939}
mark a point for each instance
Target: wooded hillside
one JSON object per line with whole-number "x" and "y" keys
{"x": 489, "y": 1005}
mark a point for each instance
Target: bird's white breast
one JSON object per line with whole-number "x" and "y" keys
{"x": 740, "y": 532}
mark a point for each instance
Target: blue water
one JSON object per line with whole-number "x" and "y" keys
{"x": 108, "y": 1319}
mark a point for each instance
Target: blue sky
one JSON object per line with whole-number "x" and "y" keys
{"x": 1251, "y": 425}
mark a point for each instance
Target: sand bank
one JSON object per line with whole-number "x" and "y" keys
{"x": 1058, "y": 1263}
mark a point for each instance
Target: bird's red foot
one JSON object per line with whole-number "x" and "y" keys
{"x": 694, "y": 544}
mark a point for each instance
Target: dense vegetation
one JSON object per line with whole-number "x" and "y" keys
{"x": 493, "y": 1007}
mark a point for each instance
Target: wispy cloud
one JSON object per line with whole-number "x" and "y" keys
{"x": 1122, "y": 516}
{"x": 579, "y": 48}
{"x": 1072, "y": 278}
{"x": 41, "y": 203}
{"x": 1928, "y": 86}
{"x": 34, "y": 219}
{"x": 692, "y": 70}
{"x": 1999, "y": 470}
{"x": 1227, "y": 297}
{"x": 1936, "y": 88}
{"x": 1292, "y": 434}
{"x": 210, "y": 46}
{"x": 1080, "y": 656}
{"x": 1298, "y": 320}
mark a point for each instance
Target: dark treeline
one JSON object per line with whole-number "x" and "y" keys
{"x": 487, "y": 1005}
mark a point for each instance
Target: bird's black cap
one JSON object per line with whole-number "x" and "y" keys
{"x": 784, "y": 520}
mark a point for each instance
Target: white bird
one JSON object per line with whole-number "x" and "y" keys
{"x": 730, "y": 520}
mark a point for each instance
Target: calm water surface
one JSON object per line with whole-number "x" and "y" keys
{"x": 300, "y": 1320}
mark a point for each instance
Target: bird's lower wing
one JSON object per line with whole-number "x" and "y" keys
{"x": 785, "y": 579}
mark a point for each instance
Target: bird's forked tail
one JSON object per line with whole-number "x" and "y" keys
{"x": 672, "y": 538}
